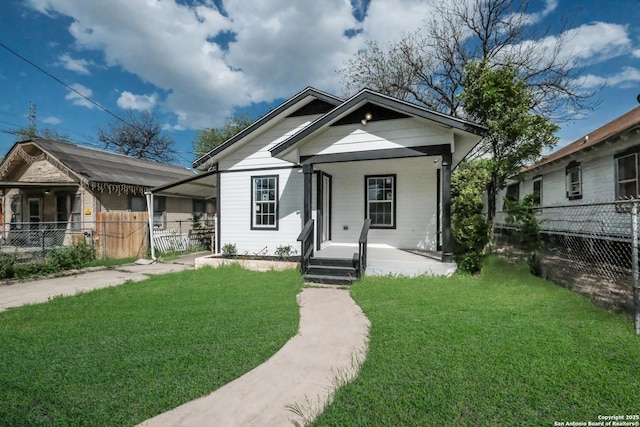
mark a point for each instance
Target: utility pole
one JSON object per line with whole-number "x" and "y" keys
{"x": 33, "y": 129}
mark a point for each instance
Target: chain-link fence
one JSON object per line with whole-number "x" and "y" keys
{"x": 31, "y": 241}
{"x": 590, "y": 248}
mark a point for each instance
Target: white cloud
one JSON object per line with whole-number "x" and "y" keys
{"x": 598, "y": 41}
{"x": 51, "y": 120}
{"x": 79, "y": 66}
{"x": 77, "y": 99}
{"x": 626, "y": 77}
{"x": 550, "y": 6}
{"x": 130, "y": 101}
{"x": 277, "y": 47}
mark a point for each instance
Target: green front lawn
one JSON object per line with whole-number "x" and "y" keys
{"x": 120, "y": 355}
{"x": 503, "y": 348}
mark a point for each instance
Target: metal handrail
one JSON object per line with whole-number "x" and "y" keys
{"x": 306, "y": 242}
{"x": 362, "y": 247}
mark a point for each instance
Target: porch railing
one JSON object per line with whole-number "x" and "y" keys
{"x": 362, "y": 247}
{"x": 306, "y": 241}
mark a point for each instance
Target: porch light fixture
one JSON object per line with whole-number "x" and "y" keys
{"x": 367, "y": 117}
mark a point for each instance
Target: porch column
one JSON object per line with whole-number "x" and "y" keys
{"x": 447, "y": 255}
{"x": 307, "y": 170}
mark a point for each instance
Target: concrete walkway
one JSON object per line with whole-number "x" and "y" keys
{"x": 38, "y": 291}
{"x": 295, "y": 384}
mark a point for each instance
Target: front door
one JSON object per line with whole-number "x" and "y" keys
{"x": 35, "y": 212}
{"x": 326, "y": 207}
{"x": 323, "y": 208}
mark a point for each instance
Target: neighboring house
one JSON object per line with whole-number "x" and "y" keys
{"x": 44, "y": 181}
{"x": 602, "y": 166}
{"x": 337, "y": 162}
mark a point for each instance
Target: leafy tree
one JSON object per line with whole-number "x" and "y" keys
{"x": 501, "y": 100}
{"x": 208, "y": 139}
{"x": 428, "y": 66}
{"x": 139, "y": 135}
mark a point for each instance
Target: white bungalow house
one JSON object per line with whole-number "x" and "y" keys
{"x": 322, "y": 165}
{"x": 601, "y": 166}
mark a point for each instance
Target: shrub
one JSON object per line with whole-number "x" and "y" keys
{"x": 7, "y": 262}
{"x": 522, "y": 215}
{"x": 70, "y": 257}
{"x": 284, "y": 252}
{"x": 229, "y": 249}
{"x": 469, "y": 225}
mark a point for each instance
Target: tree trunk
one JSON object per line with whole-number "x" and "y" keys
{"x": 491, "y": 201}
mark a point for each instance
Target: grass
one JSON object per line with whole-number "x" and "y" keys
{"x": 120, "y": 355}
{"x": 501, "y": 348}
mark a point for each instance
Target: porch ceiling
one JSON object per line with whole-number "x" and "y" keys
{"x": 19, "y": 184}
{"x": 202, "y": 186}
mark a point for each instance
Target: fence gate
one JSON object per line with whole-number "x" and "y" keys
{"x": 121, "y": 234}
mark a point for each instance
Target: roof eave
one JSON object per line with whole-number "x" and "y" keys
{"x": 367, "y": 95}
{"x": 308, "y": 91}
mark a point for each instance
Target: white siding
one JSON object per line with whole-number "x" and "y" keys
{"x": 386, "y": 134}
{"x": 255, "y": 153}
{"x": 598, "y": 176}
{"x": 416, "y": 208}
{"x": 235, "y": 212}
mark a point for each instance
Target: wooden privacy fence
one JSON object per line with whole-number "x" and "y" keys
{"x": 121, "y": 234}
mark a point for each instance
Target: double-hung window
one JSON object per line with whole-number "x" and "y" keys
{"x": 627, "y": 176}
{"x": 76, "y": 212}
{"x": 574, "y": 181}
{"x": 264, "y": 202}
{"x": 381, "y": 201}
{"x": 537, "y": 191}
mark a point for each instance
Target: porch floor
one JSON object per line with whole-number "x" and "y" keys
{"x": 385, "y": 260}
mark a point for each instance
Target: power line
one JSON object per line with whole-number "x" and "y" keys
{"x": 42, "y": 70}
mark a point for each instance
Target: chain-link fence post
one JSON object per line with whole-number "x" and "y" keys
{"x": 634, "y": 258}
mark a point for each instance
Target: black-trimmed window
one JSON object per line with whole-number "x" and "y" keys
{"x": 537, "y": 191}
{"x": 264, "y": 202}
{"x": 627, "y": 176}
{"x": 573, "y": 175}
{"x": 380, "y": 205}
{"x": 512, "y": 195}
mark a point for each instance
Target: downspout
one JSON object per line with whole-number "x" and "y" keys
{"x": 149, "y": 195}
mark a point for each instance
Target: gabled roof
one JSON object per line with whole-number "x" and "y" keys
{"x": 308, "y": 92}
{"x": 624, "y": 123}
{"x": 367, "y": 95}
{"x": 97, "y": 166}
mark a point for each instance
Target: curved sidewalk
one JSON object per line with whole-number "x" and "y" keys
{"x": 295, "y": 383}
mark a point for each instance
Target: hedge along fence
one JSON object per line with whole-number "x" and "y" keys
{"x": 590, "y": 248}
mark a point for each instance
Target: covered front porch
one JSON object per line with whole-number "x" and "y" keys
{"x": 383, "y": 260}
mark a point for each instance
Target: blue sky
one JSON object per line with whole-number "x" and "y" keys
{"x": 193, "y": 63}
